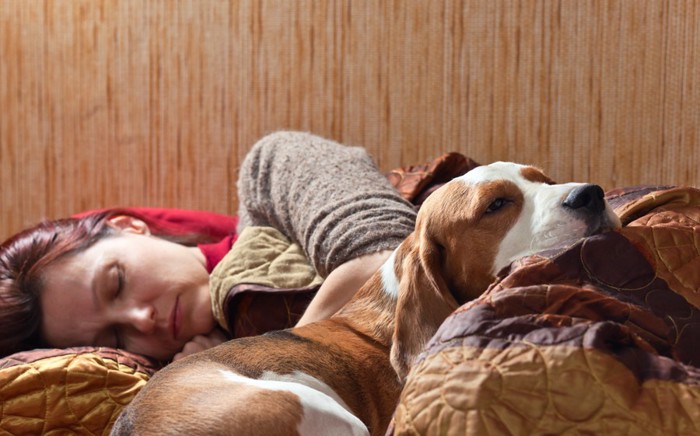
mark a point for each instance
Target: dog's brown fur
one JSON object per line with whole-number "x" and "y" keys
{"x": 363, "y": 352}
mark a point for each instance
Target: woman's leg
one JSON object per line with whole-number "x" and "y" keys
{"x": 332, "y": 200}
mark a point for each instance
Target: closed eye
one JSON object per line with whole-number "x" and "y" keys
{"x": 119, "y": 343}
{"x": 496, "y": 205}
{"x": 120, "y": 280}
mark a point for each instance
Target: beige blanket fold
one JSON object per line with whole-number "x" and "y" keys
{"x": 261, "y": 256}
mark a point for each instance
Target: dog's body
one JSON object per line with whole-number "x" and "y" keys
{"x": 343, "y": 375}
{"x": 304, "y": 380}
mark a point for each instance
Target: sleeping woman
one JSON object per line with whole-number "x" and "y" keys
{"x": 117, "y": 280}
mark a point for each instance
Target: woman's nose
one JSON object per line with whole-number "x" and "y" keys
{"x": 142, "y": 319}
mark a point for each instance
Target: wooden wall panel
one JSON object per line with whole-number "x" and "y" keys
{"x": 107, "y": 102}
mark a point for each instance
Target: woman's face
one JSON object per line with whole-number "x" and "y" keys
{"x": 131, "y": 291}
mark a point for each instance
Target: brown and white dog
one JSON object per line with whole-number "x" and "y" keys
{"x": 343, "y": 376}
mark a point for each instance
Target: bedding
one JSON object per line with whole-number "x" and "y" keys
{"x": 78, "y": 390}
{"x": 596, "y": 338}
{"x": 264, "y": 283}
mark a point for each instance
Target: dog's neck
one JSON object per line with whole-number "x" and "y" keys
{"x": 372, "y": 310}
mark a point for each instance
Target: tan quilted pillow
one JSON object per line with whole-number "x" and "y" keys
{"x": 75, "y": 390}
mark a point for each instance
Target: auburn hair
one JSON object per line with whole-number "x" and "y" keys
{"x": 24, "y": 256}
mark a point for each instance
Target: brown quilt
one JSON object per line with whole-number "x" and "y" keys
{"x": 599, "y": 338}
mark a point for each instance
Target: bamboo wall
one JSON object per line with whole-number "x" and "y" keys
{"x": 154, "y": 103}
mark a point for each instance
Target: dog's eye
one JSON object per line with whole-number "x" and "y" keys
{"x": 496, "y": 205}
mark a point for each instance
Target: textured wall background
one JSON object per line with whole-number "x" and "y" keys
{"x": 106, "y": 103}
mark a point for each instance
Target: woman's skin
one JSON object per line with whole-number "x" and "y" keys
{"x": 341, "y": 284}
{"x": 132, "y": 291}
{"x": 150, "y": 296}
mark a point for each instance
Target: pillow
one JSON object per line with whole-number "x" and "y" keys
{"x": 77, "y": 390}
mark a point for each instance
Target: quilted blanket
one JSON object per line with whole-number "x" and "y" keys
{"x": 78, "y": 390}
{"x": 597, "y": 338}
{"x": 264, "y": 283}
{"x": 594, "y": 338}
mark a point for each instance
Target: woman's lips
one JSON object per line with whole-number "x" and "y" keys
{"x": 176, "y": 319}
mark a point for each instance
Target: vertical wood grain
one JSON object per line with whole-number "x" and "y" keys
{"x": 125, "y": 102}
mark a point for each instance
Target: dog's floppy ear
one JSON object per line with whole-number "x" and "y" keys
{"x": 424, "y": 300}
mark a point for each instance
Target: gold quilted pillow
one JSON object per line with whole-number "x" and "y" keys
{"x": 78, "y": 390}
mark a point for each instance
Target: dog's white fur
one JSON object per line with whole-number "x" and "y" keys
{"x": 343, "y": 375}
{"x": 543, "y": 222}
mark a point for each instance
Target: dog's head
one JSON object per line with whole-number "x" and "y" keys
{"x": 472, "y": 227}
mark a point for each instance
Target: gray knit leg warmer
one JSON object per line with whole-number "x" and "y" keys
{"x": 329, "y": 198}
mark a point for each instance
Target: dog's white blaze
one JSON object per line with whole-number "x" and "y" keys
{"x": 543, "y": 223}
{"x": 390, "y": 283}
{"x": 324, "y": 411}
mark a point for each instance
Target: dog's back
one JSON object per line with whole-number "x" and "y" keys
{"x": 256, "y": 386}
{"x": 243, "y": 406}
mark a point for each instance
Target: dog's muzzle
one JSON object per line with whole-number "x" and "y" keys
{"x": 588, "y": 202}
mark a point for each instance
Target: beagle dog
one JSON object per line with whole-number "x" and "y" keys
{"x": 343, "y": 375}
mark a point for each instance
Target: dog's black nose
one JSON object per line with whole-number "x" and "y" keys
{"x": 588, "y": 197}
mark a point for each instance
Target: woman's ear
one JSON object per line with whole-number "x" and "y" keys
{"x": 129, "y": 224}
